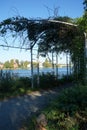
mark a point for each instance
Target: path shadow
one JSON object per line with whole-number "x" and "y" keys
{"x": 16, "y": 110}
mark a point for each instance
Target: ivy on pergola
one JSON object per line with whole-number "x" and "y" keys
{"x": 48, "y": 35}
{"x": 39, "y": 31}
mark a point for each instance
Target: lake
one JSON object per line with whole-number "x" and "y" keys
{"x": 27, "y": 72}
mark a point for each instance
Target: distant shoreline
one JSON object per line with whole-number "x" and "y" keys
{"x": 30, "y": 68}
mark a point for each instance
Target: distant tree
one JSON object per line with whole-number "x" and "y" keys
{"x": 25, "y": 64}
{"x": 17, "y": 61}
{"x": 22, "y": 64}
{"x": 47, "y": 64}
{"x": 7, "y": 64}
{"x": 12, "y": 63}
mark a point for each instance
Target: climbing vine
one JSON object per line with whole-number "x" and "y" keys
{"x": 50, "y": 37}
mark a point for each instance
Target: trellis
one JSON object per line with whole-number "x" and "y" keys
{"x": 37, "y": 29}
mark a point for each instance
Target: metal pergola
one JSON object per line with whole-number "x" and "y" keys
{"x": 46, "y": 21}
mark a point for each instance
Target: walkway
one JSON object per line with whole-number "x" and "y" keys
{"x": 16, "y": 110}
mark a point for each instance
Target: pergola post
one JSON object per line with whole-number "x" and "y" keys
{"x": 85, "y": 44}
{"x": 32, "y": 76}
{"x": 86, "y": 51}
{"x": 70, "y": 65}
{"x": 38, "y": 78}
{"x": 56, "y": 64}
{"x": 67, "y": 64}
{"x": 52, "y": 62}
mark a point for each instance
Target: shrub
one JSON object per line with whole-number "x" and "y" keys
{"x": 69, "y": 111}
{"x": 10, "y": 85}
{"x": 47, "y": 80}
{"x": 6, "y": 81}
{"x": 66, "y": 79}
{"x": 23, "y": 84}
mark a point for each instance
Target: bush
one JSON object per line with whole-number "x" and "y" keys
{"x": 69, "y": 111}
{"x": 6, "y": 81}
{"x": 66, "y": 79}
{"x": 23, "y": 82}
{"x": 22, "y": 85}
{"x": 10, "y": 85}
{"x": 47, "y": 80}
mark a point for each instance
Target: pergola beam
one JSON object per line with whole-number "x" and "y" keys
{"x": 66, "y": 23}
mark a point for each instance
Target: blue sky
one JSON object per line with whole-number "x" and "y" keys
{"x": 38, "y": 8}
{"x": 34, "y": 9}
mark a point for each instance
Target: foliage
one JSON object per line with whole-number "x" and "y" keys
{"x": 49, "y": 80}
{"x": 50, "y": 36}
{"x": 66, "y": 79}
{"x": 7, "y": 64}
{"x": 19, "y": 64}
{"x": 23, "y": 84}
{"x": 46, "y": 81}
{"x": 69, "y": 111}
{"x": 6, "y": 82}
{"x": 47, "y": 64}
{"x": 82, "y": 23}
{"x": 78, "y": 58}
{"x": 10, "y": 85}
{"x": 57, "y": 39}
{"x": 85, "y": 4}
{"x": 64, "y": 19}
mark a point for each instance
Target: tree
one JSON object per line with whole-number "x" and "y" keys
{"x": 11, "y": 63}
{"x": 22, "y": 64}
{"x": 17, "y": 61}
{"x": 7, "y": 64}
{"x": 85, "y": 4}
{"x": 26, "y": 63}
{"x": 47, "y": 64}
{"x": 58, "y": 37}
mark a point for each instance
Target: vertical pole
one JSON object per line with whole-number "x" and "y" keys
{"x": 32, "y": 76}
{"x": 38, "y": 78}
{"x": 67, "y": 64}
{"x": 70, "y": 65}
{"x": 52, "y": 62}
{"x": 85, "y": 53}
{"x": 56, "y": 64}
{"x": 85, "y": 44}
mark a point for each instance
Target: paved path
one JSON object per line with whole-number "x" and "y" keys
{"x": 14, "y": 111}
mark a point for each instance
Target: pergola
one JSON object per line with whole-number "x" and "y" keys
{"x": 50, "y": 35}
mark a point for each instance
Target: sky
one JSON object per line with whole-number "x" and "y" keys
{"x": 35, "y": 9}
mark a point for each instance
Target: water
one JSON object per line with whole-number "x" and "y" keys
{"x": 27, "y": 72}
